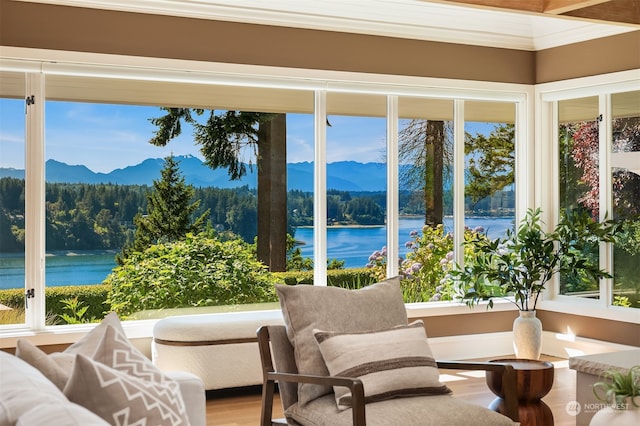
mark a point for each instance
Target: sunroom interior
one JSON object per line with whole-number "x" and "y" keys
{"x": 443, "y": 62}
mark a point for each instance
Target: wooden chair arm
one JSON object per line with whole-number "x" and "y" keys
{"x": 508, "y": 375}
{"x": 354, "y": 385}
{"x": 270, "y": 377}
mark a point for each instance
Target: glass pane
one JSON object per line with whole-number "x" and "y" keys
{"x": 12, "y": 213}
{"x": 490, "y": 167}
{"x": 425, "y": 143}
{"x": 625, "y": 163}
{"x": 300, "y": 185}
{"x": 579, "y": 178}
{"x": 156, "y": 212}
{"x": 356, "y": 180}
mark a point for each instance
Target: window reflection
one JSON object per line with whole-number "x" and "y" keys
{"x": 625, "y": 174}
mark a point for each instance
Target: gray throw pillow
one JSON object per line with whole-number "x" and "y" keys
{"x": 57, "y": 366}
{"x": 306, "y": 307}
{"x": 391, "y": 363}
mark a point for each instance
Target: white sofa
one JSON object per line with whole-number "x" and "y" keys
{"x": 28, "y": 398}
{"x": 100, "y": 379}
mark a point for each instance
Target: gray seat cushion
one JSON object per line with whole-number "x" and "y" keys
{"x": 414, "y": 411}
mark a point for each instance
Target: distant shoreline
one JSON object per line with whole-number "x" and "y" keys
{"x": 82, "y": 252}
{"x": 404, "y": 216}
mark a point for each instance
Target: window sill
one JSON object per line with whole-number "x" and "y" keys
{"x": 434, "y": 309}
{"x": 590, "y": 308}
{"x": 143, "y": 329}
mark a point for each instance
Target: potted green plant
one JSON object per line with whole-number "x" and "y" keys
{"x": 621, "y": 391}
{"x": 519, "y": 265}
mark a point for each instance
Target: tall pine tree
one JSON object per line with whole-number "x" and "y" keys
{"x": 169, "y": 212}
{"x": 222, "y": 141}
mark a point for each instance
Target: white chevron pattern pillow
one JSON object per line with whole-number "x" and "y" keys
{"x": 122, "y": 399}
{"x": 108, "y": 345}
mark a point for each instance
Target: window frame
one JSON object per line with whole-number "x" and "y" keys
{"x": 547, "y": 193}
{"x": 41, "y": 63}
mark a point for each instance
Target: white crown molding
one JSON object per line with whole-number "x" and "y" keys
{"x": 412, "y": 19}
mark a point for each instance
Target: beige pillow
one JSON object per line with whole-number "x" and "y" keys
{"x": 306, "y": 307}
{"x": 122, "y": 399}
{"x": 47, "y": 364}
{"x": 106, "y": 344}
{"x": 57, "y": 366}
{"x": 391, "y": 363}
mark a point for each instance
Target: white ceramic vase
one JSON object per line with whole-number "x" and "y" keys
{"x": 609, "y": 416}
{"x": 527, "y": 335}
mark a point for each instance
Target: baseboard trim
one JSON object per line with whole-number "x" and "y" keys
{"x": 566, "y": 345}
{"x": 495, "y": 345}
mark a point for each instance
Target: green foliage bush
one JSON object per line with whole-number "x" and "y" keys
{"x": 198, "y": 271}
{"x": 345, "y": 278}
{"x": 92, "y": 296}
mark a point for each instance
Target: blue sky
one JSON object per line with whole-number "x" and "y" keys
{"x": 106, "y": 137}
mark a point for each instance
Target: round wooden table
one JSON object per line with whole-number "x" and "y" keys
{"x": 534, "y": 380}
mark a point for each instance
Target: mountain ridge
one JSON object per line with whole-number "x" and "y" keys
{"x": 341, "y": 175}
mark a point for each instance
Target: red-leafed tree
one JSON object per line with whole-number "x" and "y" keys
{"x": 586, "y": 157}
{"x": 585, "y": 149}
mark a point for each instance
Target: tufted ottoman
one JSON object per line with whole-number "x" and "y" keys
{"x": 219, "y": 348}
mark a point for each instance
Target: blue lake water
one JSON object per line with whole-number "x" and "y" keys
{"x": 351, "y": 244}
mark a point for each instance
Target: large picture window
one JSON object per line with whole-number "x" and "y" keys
{"x": 217, "y": 147}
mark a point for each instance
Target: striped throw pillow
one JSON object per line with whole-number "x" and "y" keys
{"x": 391, "y": 363}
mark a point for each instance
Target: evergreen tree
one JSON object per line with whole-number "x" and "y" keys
{"x": 223, "y": 139}
{"x": 169, "y": 212}
{"x": 491, "y": 162}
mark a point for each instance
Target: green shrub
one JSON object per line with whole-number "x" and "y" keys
{"x": 132, "y": 284}
{"x": 198, "y": 271}
{"x": 345, "y": 278}
{"x": 94, "y": 297}
{"x": 13, "y": 298}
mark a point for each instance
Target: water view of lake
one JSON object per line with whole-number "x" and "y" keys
{"x": 351, "y": 244}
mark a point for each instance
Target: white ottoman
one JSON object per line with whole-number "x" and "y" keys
{"x": 221, "y": 349}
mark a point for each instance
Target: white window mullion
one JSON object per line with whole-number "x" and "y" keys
{"x": 525, "y": 154}
{"x": 458, "y": 180}
{"x": 35, "y": 201}
{"x": 320, "y": 190}
{"x": 605, "y": 199}
{"x": 393, "y": 245}
{"x": 550, "y": 196}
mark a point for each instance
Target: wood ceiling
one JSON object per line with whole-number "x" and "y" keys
{"x": 612, "y": 11}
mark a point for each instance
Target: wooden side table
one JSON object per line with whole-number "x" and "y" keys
{"x": 534, "y": 380}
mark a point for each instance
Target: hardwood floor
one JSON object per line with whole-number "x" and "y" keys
{"x": 242, "y": 407}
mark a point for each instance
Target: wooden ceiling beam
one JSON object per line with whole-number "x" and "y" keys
{"x": 557, "y": 7}
{"x": 622, "y": 11}
{"x": 526, "y": 6}
{"x": 611, "y": 11}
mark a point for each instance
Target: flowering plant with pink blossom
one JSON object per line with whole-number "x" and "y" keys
{"x": 425, "y": 268}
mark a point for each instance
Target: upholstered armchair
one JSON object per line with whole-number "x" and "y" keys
{"x": 349, "y": 357}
